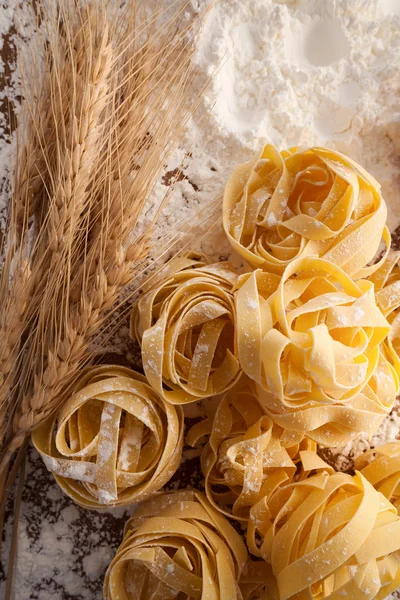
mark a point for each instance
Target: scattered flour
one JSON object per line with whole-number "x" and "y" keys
{"x": 291, "y": 72}
{"x": 301, "y": 72}
{"x": 63, "y": 550}
{"x": 389, "y": 431}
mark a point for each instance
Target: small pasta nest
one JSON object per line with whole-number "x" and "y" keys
{"x": 295, "y": 203}
{"x": 329, "y": 536}
{"x": 114, "y": 441}
{"x": 381, "y": 466}
{"x": 178, "y": 545}
{"x": 246, "y": 456}
{"x": 311, "y": 341}
{"x": 186, "y": 329}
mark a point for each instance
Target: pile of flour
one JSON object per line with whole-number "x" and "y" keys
{"x": 294, "y": 72}
{"x": 301, "y": 72}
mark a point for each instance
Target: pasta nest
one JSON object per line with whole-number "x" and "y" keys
{"x": 387, "y": 290}
{"x": 295, "y": 203}
{"x": 330, "y": 535}
{"x": 311, "y": 341}
{"x": 177, "y": 546}
{"x": 186, "y": 328}
{"x": 246, "y": 456}
{"x": 114, "y": 441}
{"x": 381, "y": 466}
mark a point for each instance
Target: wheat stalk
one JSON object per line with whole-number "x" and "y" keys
{"x": 16, "y": 275}
{"x": 36, "y": 130}
{"x": 85, "y": 70}
{"x": 144, "y": 116}
{"x": 11, "y": 319}
{"x": 89, "y": 70}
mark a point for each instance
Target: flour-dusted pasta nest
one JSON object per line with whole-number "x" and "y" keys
{"x": 330, "y": 535}
{"x": 177, "y": 546}
{"x": 114, "y": 441}
{"x": 245, "y": 457}
{"x": 387, "y": 288}
{"x": 381, "y": 466}
{"x": 285, "y": 205}
{"x": 310, "y": 339}
{"x": 186, "y": 328}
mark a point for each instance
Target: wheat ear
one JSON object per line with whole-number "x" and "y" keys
{"x": 107, "y": 267}
{"x": 64, "y": 180}
{"x": 88, "y": 77}
{"x": 90, "y": 57}
{"x": 145, "y": 116}
{"x": 17, "y": 277}
{"x": 11, "y": 317}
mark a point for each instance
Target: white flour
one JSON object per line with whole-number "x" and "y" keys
{"x": 292, "y": 72}
{"x": 307, "y": 72}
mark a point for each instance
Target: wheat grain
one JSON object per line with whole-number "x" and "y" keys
{"x": 11, "y": 320}
{"x": 144, "y": 116}
{"x": 89, "y": 70}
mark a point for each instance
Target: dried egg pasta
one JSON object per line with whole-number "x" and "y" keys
{"x": 330, "y": 535}
{"x": 258, "y": 582}
{"x": 177, "y": 546}
{"x": 296, "y": 203}
{"x": 245, "y": 456}
{"x": 387, "y": 288}
{"x": 381, "y": 466}
{"x": 186, "y": 327}
{"x": 311, "y": 339}
{"x": 116, "y": 441}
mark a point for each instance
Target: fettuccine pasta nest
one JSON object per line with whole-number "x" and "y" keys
{"x": 296, "y": 203}
{"x": 381, "y": 466}
{"x": 186, "y": 328}
{"x": 330, "y": 535}
{"x": 115, "y": 440}
{"x": 177, "y": 546}
{"x": 246, "y": 456}
{"x": 310, "y": 339}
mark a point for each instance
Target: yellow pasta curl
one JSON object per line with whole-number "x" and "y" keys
{"x": 258, "y": 582}
{"x": 381, "y": 466}
{"x": 311, "y": 341}
{"x": 246, "y": 456}
{"x": 176, "y": 546}
{"x": 330, "y": 535}
{"x": 115, "y": 440}
{"x": 387, "y": 288}
{"x": 296, "y": 203}
{"x": 186, "y": 327}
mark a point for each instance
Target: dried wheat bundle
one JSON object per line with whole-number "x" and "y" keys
{"x": 114, "y": 101}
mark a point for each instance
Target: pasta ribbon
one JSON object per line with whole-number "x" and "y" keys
{"x": 330, "y": 535}
{"x": 186, "y": 327}
{"x": 305, "y": 202}
{"x": 381, "y": 466}
{"x": 310, "y": 339}
{"x": 258, "y": 582}
{"x": 176, "y": 546}
{"x": 387, "y": 287}
{"x": 245, "y": 457}
{"x": 114, "y": 441}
